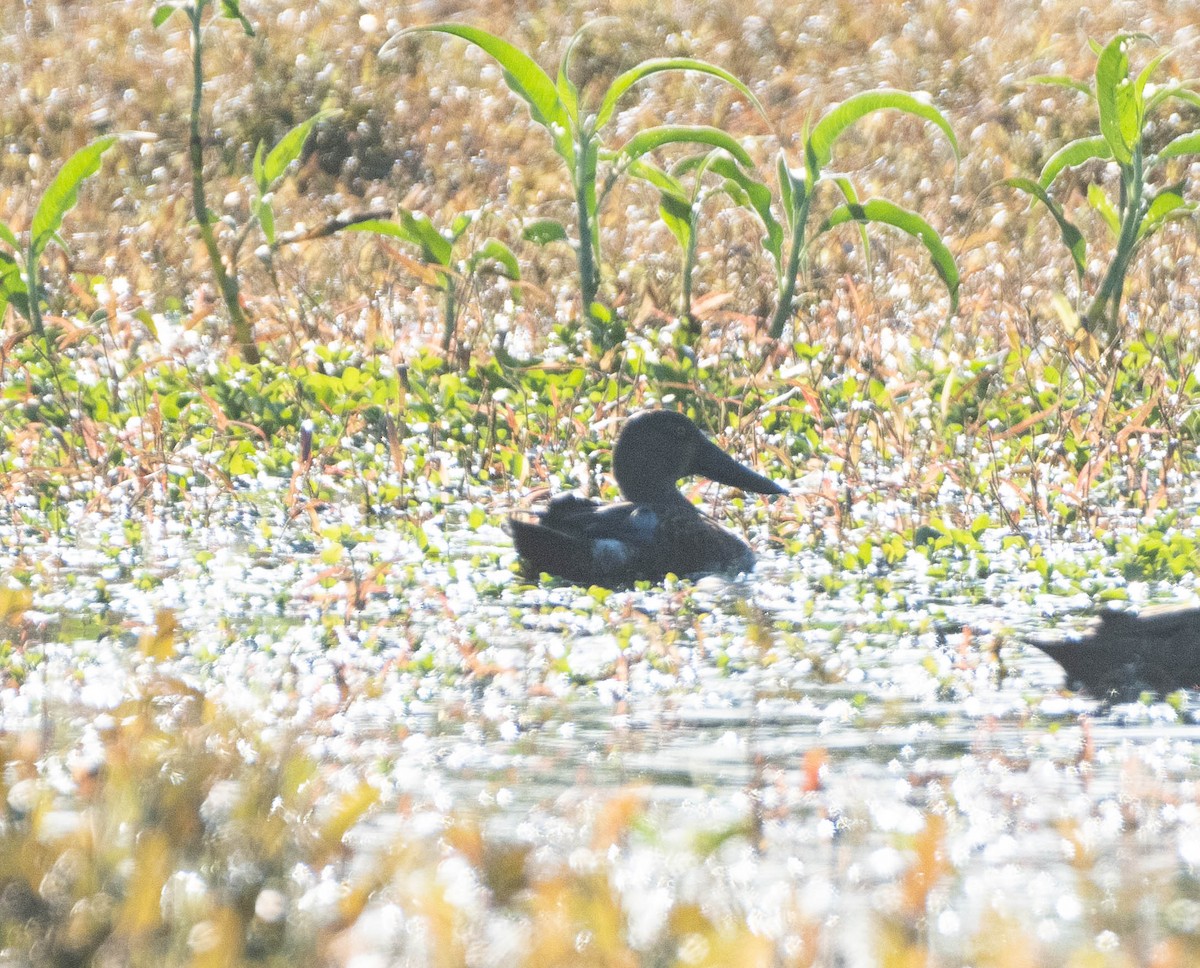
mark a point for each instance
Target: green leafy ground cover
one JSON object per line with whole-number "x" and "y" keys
{"x": 272, "y": 689}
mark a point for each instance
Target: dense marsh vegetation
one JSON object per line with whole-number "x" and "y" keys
{"x": 282, "y": 349}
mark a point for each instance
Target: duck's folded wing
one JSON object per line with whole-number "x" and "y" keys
{"x": 545, "y": 550}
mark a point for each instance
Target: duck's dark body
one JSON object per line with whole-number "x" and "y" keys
{"x": 657, "y": 531}
{"x": 1130, "y": 654}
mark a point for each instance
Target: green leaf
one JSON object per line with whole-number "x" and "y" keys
{"x": 1071, "y": 236}
{"x": 669, "y": 134}
{"x": 1146, "y": 73}
{"x": 162, "y": 14}
{"x": 677, "y": 215}
{"x": 266, "y": 219}
{"x": 10, "y": 274}
{"x": 655, "y": 66}
{"x": 851, "y": 196}
{"x": 288, "y": 149}
{"x": 1185, "y": 144}
{"x": 1185, "y": 94}
{"x": 1167, "y": 205}
{"x": 653, "y": 175}
{"x": 230, "y": 9}
{"x": 461, "y": 223}
{"x": 63, "y": 192}
{"x": 12, "y": 286}
{"x": 1099, "y": 201}
{"x": 493, "y": 250}
{"x": 789, "y": 186}
{"x": 568, "y": 93}
{"x": 1071, "y": 154}
{"x": 837, "y": 119}
{"x": 1061, "y": 80}
{"x": 260, "y": 177}
{"x": 759, "y": 197}
{"x": 1116, "y": 99}
{"x": 414, "y": 228}
{"x": 544, "y": 231}
{"x": 8, "y": 237}
{"x": 879, "y": 210}
{"x": 522, "y": 75}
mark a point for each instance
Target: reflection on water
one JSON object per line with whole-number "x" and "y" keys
{"x": 838, "y": 768}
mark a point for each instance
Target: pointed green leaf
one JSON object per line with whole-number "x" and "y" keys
{"x": 1185, "y": 94}
{"x": 1185, "y": 144}
{"x": 1099, "y": 201}
{"x": 230, "y": 9}
{"x": 787, "y": 188}
{"x": 8, "y": 237}
{"x": 266, "y": 219}
{"x": 63, "y": 192}
{"x": 666, "y": 184}
{"x": 1071, "y": 154}
{"x": 10, "y": 275}
{"x": 759, "y": 197}
{"x": 12, "y": 286}
{"x": 668, "y": 134}
{"x": 461, "y": 223}
{"x": 1071, "y": 236}
{"x": 851, "y": 196}
{"x": 838, "y": 118}
{"x": 1167, "y": 205}
{"x": 289, "y": 148}
{"x": 1061, "y": 80}
{"x": 879, "y": 210}
{"x": 1116, "y": 100}
{"x": 414, "y": 228}
{"x": 677, "y": 214}
{"x": 545, "y": 231}
{"x": 522, "y": 75}
{"x": 493, "y": 250}
{"x": 643, "y": 70}
{"x": 1146, "y": 73}
{"x": 260, "y": 178}
{"x": 162, "y": 14}
{"x": 568, "y": 93}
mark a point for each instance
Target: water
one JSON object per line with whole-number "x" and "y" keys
{"x": 842, "y": 767}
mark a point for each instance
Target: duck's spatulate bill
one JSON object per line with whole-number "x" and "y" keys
{"x": 712, "y": 462}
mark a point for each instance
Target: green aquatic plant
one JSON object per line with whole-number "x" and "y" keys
{"x": 441, "y": 266}
{"x": 575, "y": 129}
{"x": 683, "y": 190}
{"x": 1125, "y": 104}
{"x": 225, "y": 275}
{"x": 798, "y": 188}
{"x": 269, "y": 169}
{"x": 19, "y": 269}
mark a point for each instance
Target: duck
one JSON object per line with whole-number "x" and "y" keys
{"x": 1128, "y": 653}
{"x": 655, "y": 531}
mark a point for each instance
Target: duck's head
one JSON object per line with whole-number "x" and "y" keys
{"x": 656, "y": 448}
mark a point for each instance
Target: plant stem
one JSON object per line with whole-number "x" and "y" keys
{"x": 226, "y": 280}
{"x": 1105, "y": 308}
{"x": 449, "y": 317}
{"x": 587, "y": 258}
{"x": 787, "y": 289}
{"x": 685, "y": 294}
{"x": 31, "y": 281}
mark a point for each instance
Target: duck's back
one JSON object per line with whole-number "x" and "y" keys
{"x": 618, "y": 544}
